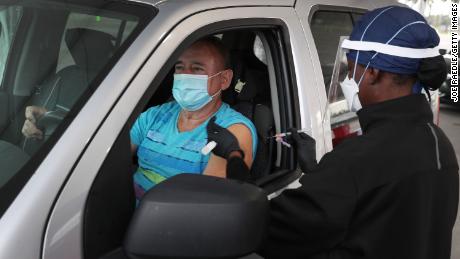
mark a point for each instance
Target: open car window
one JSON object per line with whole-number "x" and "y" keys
{"x": 53, "y": 55}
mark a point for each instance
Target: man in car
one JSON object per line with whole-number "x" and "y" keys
{"x": 390, "y": 193}
{"x": 169, "y": 138}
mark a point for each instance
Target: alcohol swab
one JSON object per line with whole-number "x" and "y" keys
{"x": 208, "y": 148}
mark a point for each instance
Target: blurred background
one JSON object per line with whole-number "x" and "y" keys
{"x": 437, "y": 13}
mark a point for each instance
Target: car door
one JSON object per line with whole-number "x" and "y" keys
{"x": 31, "y": 181}
{"x": 107, "y": 152}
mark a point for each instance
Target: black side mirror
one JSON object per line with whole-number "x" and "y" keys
{"x": 442, "y": 52}
{"x": 197, "y": 216}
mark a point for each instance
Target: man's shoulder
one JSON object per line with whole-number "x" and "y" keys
{"x": 228, "y": 116}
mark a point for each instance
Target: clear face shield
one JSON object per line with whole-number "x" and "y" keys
{"x": 339, "y": 73}
{"x": 342, "y": 92}
{"x": 337, "y": 100}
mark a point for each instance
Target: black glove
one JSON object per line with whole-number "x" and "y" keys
{"x": 306, "y": 149}
{"x": 226, "y": 141}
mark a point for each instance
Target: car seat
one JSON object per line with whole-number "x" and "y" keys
{"x": 90, "y": 50}
{"x": 249, "y": 95}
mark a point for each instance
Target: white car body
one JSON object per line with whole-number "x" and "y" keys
{"x": 45, "y": 220}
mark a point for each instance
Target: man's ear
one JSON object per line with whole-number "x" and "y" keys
{"x": 374, "y": 75}
{"x": 226, "y": 79}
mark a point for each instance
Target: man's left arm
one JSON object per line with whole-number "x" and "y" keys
{"x": 217, "y": 165}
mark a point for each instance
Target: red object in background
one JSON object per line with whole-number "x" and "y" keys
{"x": 341, "y": 133}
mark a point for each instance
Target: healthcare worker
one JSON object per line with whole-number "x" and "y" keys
{"x": 390, "y": 193}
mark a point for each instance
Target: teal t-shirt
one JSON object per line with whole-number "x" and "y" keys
{"x": 163, "y": 151}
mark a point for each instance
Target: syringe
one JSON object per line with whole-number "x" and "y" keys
{"x": 279, "y": 136}
{"x": 284, "y": 134}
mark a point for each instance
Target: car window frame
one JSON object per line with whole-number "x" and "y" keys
{"x": 274, "y": 182}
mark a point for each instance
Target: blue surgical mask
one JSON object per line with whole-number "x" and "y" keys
{"x": 191, "y": 91}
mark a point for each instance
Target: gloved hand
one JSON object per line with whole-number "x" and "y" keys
{"x": 226, "y": 141}
{"x": 306, "y": 149}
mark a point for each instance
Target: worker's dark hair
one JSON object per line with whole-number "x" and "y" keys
{"x": 219, "y": 46}
{"x": 432, "y": 72}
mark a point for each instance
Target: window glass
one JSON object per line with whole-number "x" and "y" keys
{"x": 9, "y": 17}
{"x": 59, "y": 53}
{"x": 130, "y": 25}
{"x": 327, "y": 28}
{"x": 110, "y": 26}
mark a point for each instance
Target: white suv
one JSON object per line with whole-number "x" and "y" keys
{"x": 96, "y": 65}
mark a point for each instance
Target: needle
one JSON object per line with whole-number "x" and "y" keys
{"x": 284, "y": 134}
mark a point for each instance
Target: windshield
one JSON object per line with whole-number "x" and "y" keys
{"x": 53, "y": 54}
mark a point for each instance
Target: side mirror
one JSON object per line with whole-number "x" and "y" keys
{"x": 197, "y": 216}
{"x": 442, "y": 52}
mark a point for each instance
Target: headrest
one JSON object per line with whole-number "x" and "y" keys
{"x": 245, "y": 83}
{"x": 90, "y": 49}
{"x": 245, "y": 86}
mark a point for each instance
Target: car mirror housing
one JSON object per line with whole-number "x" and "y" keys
{"x": 197, "y": 216}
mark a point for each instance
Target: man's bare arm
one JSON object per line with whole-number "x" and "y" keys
{"x": 217, "y": 165}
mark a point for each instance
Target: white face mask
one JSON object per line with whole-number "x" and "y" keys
{"x": 349, "y": 86}
{"x": 350, "y": 90}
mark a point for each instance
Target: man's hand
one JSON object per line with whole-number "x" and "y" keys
{"x": 225, "y": 140}
{"x": 29, "y": 129}
{"x": 306, "y": 150}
